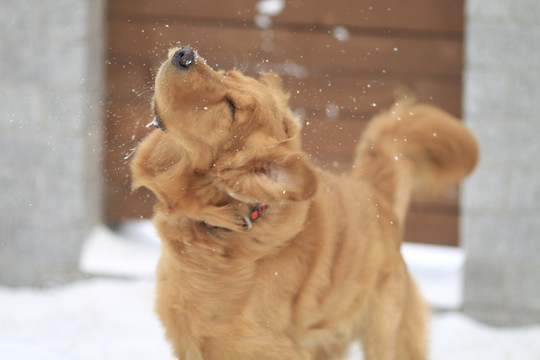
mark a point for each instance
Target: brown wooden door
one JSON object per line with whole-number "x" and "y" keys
{"x": 342, "y": 61}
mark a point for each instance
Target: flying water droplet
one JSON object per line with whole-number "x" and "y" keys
{"x": 341, "y": 33}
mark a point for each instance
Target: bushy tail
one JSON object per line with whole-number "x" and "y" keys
{"x": 414, "y": 149}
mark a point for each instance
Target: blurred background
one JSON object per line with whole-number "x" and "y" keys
{"x": 342, "y": 62}
{"x": 76, "y": 79}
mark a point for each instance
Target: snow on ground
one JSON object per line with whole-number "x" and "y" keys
{"x": 113, "y": 319}
{"x": 94, "y": 319}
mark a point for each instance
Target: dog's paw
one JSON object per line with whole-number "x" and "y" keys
{"x": 243, "y": 222}
{"x": 255, "y": 212}
{"x": 229, "y": 217}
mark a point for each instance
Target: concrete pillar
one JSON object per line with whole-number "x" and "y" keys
{"x": 51, "y": 86}
{"x": 501, "y": 202}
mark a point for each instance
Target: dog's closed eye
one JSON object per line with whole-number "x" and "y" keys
{"x": 232, "y": 106}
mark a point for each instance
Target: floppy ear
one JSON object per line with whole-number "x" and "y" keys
{"x": 267, "y": 180}
{"x": 154, "y": 156}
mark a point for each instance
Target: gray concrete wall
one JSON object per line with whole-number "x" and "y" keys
{"x": 501, "y": 202}
{"x": 51, "y": 85}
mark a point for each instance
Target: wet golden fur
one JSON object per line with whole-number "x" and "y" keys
{"x": 322, "y": 266}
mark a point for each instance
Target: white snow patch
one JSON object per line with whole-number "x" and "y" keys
{"x": 270, "y": 7}
{"x": 438, "y": 271}
{"x": 341, "y": 33}
{"x": 93, "y": 319}
{"x": 133, "y": 252}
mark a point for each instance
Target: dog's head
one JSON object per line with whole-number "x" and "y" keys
{"x": 211, "y": 112}
{"x": 236, "y": 128}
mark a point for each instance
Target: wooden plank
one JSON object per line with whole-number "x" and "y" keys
{"x": 118, "y": 153}
{"x": 327, "y": 135}
{"x": 394, "y": 15}
{"x": 128, "y": 119}
{"x": 129, "y": 80}
{"x": 233, "y": 10}
{"x": 432, "y": 228}
{"x": 148, "y": 43}
{"x": 128, "y": 204}
{"x": 434, "y": 15}
{"x": 361, "y": 97}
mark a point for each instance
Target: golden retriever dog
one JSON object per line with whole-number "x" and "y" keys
{"x": 265, "y": 256}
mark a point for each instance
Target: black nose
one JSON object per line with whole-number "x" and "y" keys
{"x": 184, "y": 58}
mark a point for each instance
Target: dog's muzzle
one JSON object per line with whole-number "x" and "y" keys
{"x": 184, "y": 58}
